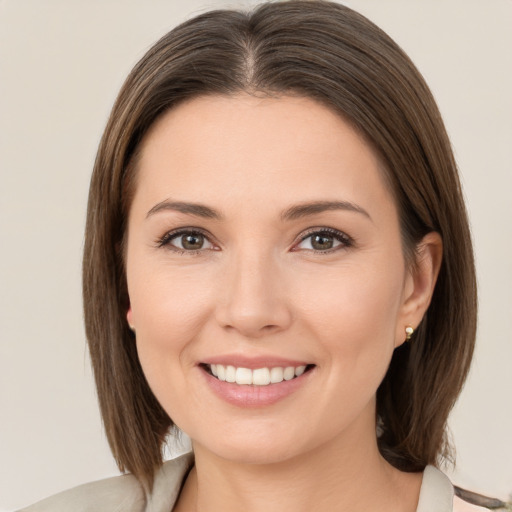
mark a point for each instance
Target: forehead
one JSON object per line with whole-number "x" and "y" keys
{"x": 268, "y": 149}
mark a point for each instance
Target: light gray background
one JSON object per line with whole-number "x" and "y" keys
{"x": 61, "y": 65}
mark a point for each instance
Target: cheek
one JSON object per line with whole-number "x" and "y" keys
{"x": 354, "y": 319}
{"x": 169, "y": 311}
{"x": 169, "y": 304}
{"x": 168, "y": 324}
{"x": 355, "y": 300}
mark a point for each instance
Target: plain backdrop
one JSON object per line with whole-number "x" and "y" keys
{"x": 61, "y": 65}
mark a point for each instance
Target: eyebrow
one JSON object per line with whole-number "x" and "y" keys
{"x": 197, "y": 209}
{"x": 305, "y": 209}
{"x": 293, "y": 213}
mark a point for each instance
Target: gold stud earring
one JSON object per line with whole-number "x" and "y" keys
{"x": 409, "y": 331}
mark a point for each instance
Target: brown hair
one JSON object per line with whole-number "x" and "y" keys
{"x": 330, "y": 53}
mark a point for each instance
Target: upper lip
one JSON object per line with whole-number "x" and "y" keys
{"x": 240, "y": 361}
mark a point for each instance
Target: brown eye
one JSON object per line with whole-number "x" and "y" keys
{"x": 192, "y": 242}
{"x": 186, "y": 241}
{"x": 324, "y": 241}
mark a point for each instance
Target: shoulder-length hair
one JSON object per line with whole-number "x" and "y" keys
{"x": 327, "y": 52}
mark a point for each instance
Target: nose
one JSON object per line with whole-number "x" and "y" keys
{"x": 253, "y": 300}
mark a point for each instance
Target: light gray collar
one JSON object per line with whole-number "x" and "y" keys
{"x": 168, "y": 482}
{"x": 436, "y": 493}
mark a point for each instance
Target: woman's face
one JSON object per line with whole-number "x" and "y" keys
{"x": 261, "y": 237}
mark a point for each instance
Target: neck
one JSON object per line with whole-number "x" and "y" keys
{"x": 346, "y": 474}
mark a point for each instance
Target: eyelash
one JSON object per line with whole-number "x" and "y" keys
{"x": 345, "y": 240}
{"x": 165, "y": 241}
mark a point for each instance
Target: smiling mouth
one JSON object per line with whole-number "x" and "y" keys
{"x": 256, "y": 377}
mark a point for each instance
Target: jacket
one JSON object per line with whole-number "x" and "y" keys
{"x": 125, "y": 494}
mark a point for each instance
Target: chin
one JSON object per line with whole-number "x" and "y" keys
{"x": 257, "y": 455}
{"x": 259, "y": 444}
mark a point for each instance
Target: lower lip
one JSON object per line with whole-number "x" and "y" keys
{"x": 255, "y": 396}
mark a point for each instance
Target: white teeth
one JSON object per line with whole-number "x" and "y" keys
{"x": 289, "y": 373}
{"x": 257, "y": 377}
{"x": 230, "y": 374}
{"x": 243, "y": 376}
{"x": 261, "y": 377}
{"x": 276, "y": 375}
{"x": 299, "y": 370}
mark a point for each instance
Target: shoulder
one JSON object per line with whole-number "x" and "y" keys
{"x": 122, "y": 493}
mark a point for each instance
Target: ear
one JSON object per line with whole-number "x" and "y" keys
{"x": 129, "y": 319}
{"x": 419, "y": 284}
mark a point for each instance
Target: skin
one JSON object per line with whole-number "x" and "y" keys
{"x": 259, "y": 287}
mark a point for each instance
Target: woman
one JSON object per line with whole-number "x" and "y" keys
{"x": 278, "y": 263}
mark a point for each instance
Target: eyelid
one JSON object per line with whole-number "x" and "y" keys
{"x": 165, "y": 240}
{"x": 344, "y": 239}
